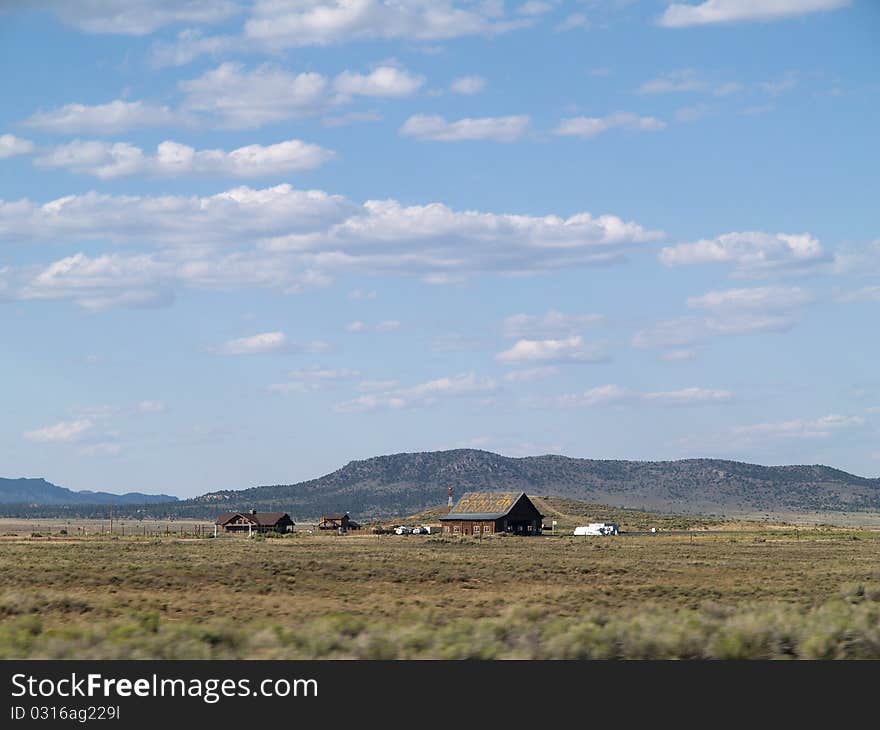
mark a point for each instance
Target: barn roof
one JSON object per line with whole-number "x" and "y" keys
{"x": 484, "y": 505}
{"x": 258, "y": 518}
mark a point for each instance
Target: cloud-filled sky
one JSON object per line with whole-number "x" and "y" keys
{"x": 246, "y": 241}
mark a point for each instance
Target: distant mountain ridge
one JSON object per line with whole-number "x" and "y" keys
{"x": 41, "y": 492}
{"x": 409, "y": 482}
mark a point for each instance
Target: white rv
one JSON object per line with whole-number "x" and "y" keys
{"x": 598, "y": 528}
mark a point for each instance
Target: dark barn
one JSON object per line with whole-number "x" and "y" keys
{"x": 337, "y": 521}
{"x": 485, "y": 513}
{"x": 254, "y": 522}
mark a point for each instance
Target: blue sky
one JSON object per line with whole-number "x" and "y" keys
{"x": 246, "y": 242}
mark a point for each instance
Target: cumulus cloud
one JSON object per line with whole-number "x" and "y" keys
{"x": 265, "y": 342}
{"x": 435, "y": 128}
{"x": 569, "y": 350}
{"x": 751, "y": 252}
{"x": 468, "y": 85}
{"x": 135, "y": 17}
{"x": 418, "y": 396}
{"x": 239, "y": 98}
{"x": 110, "y": 160}
{"x": 384, "y": 81}
{"x": 281, "y": 237}
{"x": 327, "y": 22}
{"x": 10, "y": 146}
{"x": 235, "y": 97}
{"x": 63, "y": 432}
{"x": 681, "y": 15}
{"x": 588, "y": 127}
{"x": 730, "y": 312}
{"x": 274, "y": 26}
{"x": 111, "y": 118}
{"x": 103, "y": 282}
{"x": 552, "y": 323}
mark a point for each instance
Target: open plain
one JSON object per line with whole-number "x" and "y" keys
{"x": 719, "y": 591}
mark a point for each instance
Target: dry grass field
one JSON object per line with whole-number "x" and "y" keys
{"x": 762, "y": 593}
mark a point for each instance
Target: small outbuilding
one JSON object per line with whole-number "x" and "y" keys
{"x": 248, "y": 523}
{"x": 487, "y": 513}
{"x": 337, "y": 522}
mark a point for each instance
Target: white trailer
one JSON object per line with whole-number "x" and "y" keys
{"x": 597, "y": 528}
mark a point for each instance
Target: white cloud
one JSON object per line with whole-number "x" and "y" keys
{"x": 727, "y": 88}
{"x": 312, "y": 379}
{"x": 759, "y": 298}
{"x": 781, "y": 85}
{"x": 138, "y": 17}
{"x": 681, "y": 15}
{"x": 111, "y": 118}
{"x": 529, "y": 375}
{"x": 535, "y": 7}
{"x": 384, "y": 81}
{"x": 588, "y": 127}
{"x": 326, "y": 22}
{"x": 569, "y": 350}
{"x": 424, "y": 394}
{"x": 265, "y": 342}
{"x": 552, "y": 323}
{"x": 152, "y": 406}
{"x": 289, "y": 239}
{"x": 573, "y": 22}
{"x": 673, "y": 82}
{"x": 687, "y": 80}
{"x": 109, "y": 160}
{"x": 468, "y": 85}
{"x": 189, "y": 45}
{"x": 362, "y": 294}
{"x": 436, "y": 128}
{"x": 103, "y": 282}
{"x": 682, "y": 332}
{"x": 10, "y": 146}
{"x": 274, "y": 26}
{"x": 749, "y": 252}
{"x": 601, "y": 395}
{"x": 244, "y": 99}
{"x": 388, "y": 325}
{"x": 687, "y": 396}
{"x": 63, "y": 432}
{"x": 102, "y": 448}
{"x": 799, "y": 428}
{"x": 693, "y": 113}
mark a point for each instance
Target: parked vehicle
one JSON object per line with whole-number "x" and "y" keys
{"x": 597, "y": 528}
{"x": 420, "y": 531}
{"x": 403, "y": 530}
